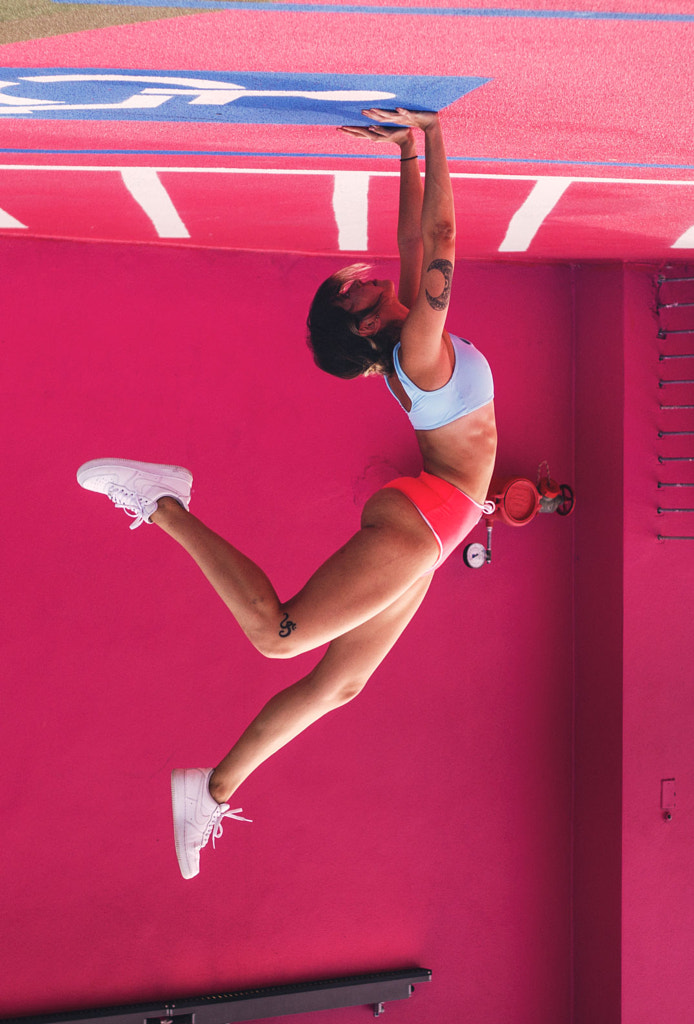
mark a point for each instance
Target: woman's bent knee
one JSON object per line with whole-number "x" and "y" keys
{"x": 348, "y": 691}
{"x": 272, "y": 647}
{"x": 279, "y": 644}
{"x": 337, "y": 692}
{"x": 276, "y": 637}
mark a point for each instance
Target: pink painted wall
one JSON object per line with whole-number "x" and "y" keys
{"x": 633, "y": 890}
{"x": 658, "y": 886}
{"x": 429, "y": 822}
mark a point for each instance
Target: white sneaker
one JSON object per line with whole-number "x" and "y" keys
{"x": 196, "y": 816}
{"x": 136, "y": 486}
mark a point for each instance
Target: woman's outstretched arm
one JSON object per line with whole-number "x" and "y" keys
{"x": 425, "y": 357}
{"x": 409, "y": 222}
{"x": 410, "y": 204}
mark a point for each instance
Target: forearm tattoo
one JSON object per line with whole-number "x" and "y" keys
{"x": 444, "y": 267}
{"x": 286, "y": 625}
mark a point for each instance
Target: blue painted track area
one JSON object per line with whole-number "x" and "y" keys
{"x": 232, "y": 97}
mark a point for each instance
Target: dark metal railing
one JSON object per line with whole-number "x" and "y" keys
{"x": 251, "y": 1004}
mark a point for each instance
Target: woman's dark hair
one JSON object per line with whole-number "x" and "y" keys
{"x": 333, "y": 335}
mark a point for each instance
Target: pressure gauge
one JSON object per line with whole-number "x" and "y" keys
{"x": 475, "y": 555}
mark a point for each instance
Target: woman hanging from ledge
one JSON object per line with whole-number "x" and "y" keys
{"x": 362, "y": 598}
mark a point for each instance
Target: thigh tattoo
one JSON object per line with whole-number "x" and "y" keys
{"x": 286, "y": 626}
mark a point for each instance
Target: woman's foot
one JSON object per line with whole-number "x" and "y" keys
{"x": 196, "y": 816}
{"x": 136, "y": 486}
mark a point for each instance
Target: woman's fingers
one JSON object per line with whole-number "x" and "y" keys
{"x": 374, "y": 131}
{"x": 353, "y": 129}
{"x": 380, "y": 115}
{"x": 400, "y": 116}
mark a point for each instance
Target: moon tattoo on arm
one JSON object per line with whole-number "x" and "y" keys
{"x": 445, "y": 268}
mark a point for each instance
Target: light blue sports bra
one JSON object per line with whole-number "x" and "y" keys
{"x": 470, "y": 387}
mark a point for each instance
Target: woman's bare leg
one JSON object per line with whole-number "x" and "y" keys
{"x": 337, "y": 678}
{"x": 391, "y": 550}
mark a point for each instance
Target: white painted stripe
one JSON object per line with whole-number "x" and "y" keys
{"x": 144, "y": 186}
{"x": 8, "y": 221}
{"x": 527, "y": 220}
{"x": 685, "y": 241}
{"x": 351, "y": 207}
{"x": 688, "y": 182}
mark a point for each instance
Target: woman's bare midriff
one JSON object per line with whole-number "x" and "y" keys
{"x": 463, "y": 452}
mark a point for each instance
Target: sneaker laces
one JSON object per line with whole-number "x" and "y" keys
{"x": 214, "y": 825}
{"x": 134, "y": 505}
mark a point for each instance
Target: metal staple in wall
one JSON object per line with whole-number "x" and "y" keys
{"x": 675, "y": 309}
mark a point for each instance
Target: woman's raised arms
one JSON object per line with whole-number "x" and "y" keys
{"x": 425, "y": 356}
{"x": 410, "y": 205}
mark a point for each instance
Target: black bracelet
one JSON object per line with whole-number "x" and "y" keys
{"x": 404, "y": 159}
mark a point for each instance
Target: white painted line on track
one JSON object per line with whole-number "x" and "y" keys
{"x": 350, "y": 197}
{"x": 685, "y": 241}
{"x": 351, "y": 207}
{"x": 8, "y": 221}
{"x": 118, "y": 168}
{"x": 528, "y": 219}
{"x": 144, "y": 186}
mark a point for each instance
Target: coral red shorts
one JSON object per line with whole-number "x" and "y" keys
{"x": 447, "y": 511}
